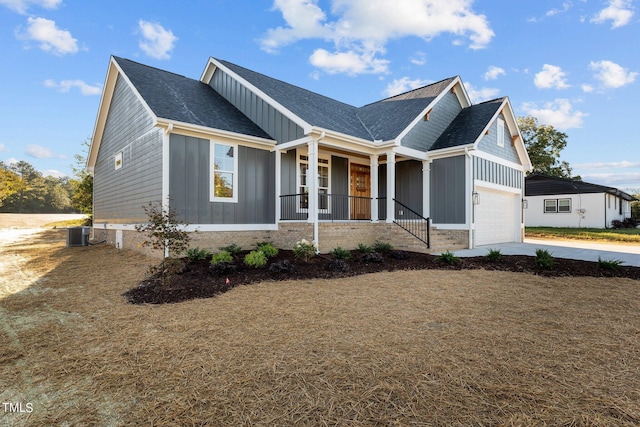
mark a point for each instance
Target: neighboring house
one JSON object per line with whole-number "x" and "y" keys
{"x": 237, "y": 153}
{"x": 562, "y": 202}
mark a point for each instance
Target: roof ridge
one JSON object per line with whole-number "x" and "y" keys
{"x": 409, "y": 91}
{"x": 117, "y": 58}
{"x": 225, "y": 62}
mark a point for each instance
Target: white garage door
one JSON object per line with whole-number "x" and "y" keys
{"x": 496, "y": 217}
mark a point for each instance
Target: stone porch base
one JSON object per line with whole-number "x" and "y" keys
{"x": 347, "y": 235}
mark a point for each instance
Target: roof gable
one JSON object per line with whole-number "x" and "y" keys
{"x": 174, "y": 97}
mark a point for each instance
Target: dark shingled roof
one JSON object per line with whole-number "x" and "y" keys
{"x": 174, "y": 97}
{"x": 382, "y": 120}
{"x": 468, "y": 125}
{"x": 544, "y": 185}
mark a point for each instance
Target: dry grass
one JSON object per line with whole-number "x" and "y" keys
{"x": 404, "y": 348}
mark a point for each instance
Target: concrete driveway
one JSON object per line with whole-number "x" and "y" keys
{"x": 571, "y": 249}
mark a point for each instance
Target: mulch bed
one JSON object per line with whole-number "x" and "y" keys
{"x": 189, "y": 280}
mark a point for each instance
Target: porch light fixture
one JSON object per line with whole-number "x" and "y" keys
{"x": 475, "y": 198}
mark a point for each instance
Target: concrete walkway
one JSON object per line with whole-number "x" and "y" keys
{"x": 571, "y": 249}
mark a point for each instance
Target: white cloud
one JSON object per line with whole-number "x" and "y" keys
{"x": 11, "y": 161}
{"x": 52, "y": 39}
{"x": 611, "y": 74}
{"x": 350, "y": 62}
{"x": 587, "y": 88}
{"x": 67, "y": 85}
{"x": 629, "y": 180}
{"x": 494, "y": 72}
{"x": 402, "y": 85}
{"x": 420, "y": 58}
{"x": 54, "y": 173}
{"x": 362, "y": 28}
{"x": 481, "y": 94}
{"x": 156, "y": 41}
{"x": 601, "y": 165}
{"x": 565, "y": 8}
{"x": 40, "y": 152}
{"x": 551, "y": 76}
{"x": 21, "y": 6}
{"x": 3, "y": 147}
{"x": 558, "y": 114}
{"x": 619, "y": 12}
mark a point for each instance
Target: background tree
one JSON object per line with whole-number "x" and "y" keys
{"x": 31, "y": 189}
{"x": 544, "y": 144}
{"x": 82, "y": 184}
{"x": 8, "y": 182}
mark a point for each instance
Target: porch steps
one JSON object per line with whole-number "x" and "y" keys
{"x": 441, "y": 240}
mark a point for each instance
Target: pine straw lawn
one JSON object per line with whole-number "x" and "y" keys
{"x": 436, "y": 347}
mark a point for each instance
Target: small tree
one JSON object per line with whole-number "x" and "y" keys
{"x": 164, "y": 232}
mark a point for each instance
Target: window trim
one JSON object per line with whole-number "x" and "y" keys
{"x": 212, "y": 155}
{"x": 299, "y": 161}
{"x": 500, "y": 131}
{"x": 556, "y": 206}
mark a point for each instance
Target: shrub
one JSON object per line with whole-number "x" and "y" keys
{"x": 197, "y": 254}
{"x": 222, "y": 257}
{"x": 281, "y": 267}
{"x": 448, "y": 257}
{"x": 340, "y": 253}
{"x": 337, "y": 265}
{"x": 255, "y": 259}
{"x": 268, "y": 249}
{"x": 233, "y": 249}
{"x": 610, "y": 265}
{"x": 616, "y": 224}
{"x": 544, "y": 259}
{"x": 372, "y": 257}
{"x": 305, "y": 250}
{"x": 365, "y": 249}
{"x": 494, "y": 255}
{"x": 398, "y": 255}
{"x": 630, "y": 223}
{"x": 382, "y": 247}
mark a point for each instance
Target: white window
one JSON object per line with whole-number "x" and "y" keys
{"x": 224, "y": 165}
{"x": 500, "y": 133}
{"x": 323, "y": 182}
{"x": 557, "y": 206}
{"x": 117, "y": 160}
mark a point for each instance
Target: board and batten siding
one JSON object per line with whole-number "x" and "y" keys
{"x": 260, "y": 112}
{"x": 190, "y": 180}
{"x": 119, "y": 195}
{"x": 489, "y": 144}
{"x": 425, "y": 133}
{"x": 447, "y": 192}
{"x": 495, "y": 173}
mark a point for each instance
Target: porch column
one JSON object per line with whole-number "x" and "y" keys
{"x": 278, "y": 154}
{"x": 312, "y": 185}
{"x": 373, "y": 167}
{"x": 391, "y": 186}
{"x": 426, "y": 188}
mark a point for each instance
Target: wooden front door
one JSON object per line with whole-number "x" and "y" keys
{"x": 360, "y": 191}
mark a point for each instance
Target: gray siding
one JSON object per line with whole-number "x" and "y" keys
{"x": 264, "y": 115}
{"x": 120, "y": 194}
{"x": 425, "y": 133}
{"x": 189, "y": 188}
{"x": 489, "y": 143}
{"x": 409, "y": 184}
{"x": 488, "y": 171}
{"x": 448, "y": 190}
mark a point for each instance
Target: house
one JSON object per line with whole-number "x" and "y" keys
{"x": 237, "y": 154}
{"x": 562, "y": 202}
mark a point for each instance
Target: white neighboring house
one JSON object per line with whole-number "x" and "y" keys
{"x": 562, "y": 202}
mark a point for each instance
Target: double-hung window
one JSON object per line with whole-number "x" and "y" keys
{"x": 323, "y": 182}
{"x": 557, "y": 206}
{"x": 224, "y": 168}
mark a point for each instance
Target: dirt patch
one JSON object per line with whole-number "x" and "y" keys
{"x": 414, "y": 347}
{"x": 185, "y": 280}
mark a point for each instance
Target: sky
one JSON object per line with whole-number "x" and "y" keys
{"x": 572, "y": 64}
